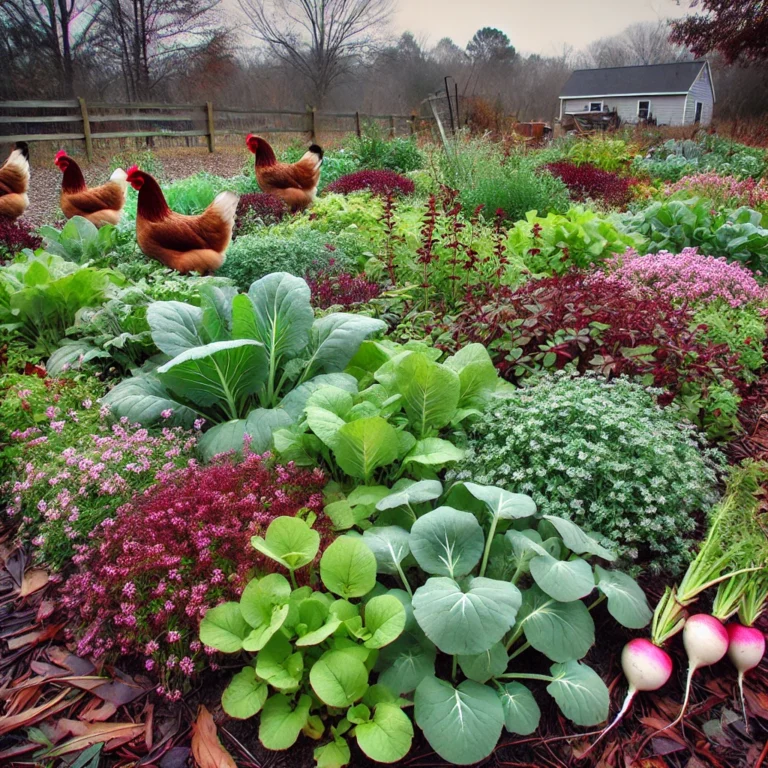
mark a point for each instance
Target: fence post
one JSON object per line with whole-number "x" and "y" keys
{"x": 412, "y": 124}
{"x": 211, "y": 129}
{"x": 86, "y": 129}
{"x": 312, "y": 131}
{"x": 357, "y": 124}
{"x": 391, "y": 126}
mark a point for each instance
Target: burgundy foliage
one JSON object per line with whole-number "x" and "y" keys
{"x": 178, "y": 549}
{"x": 378, "y": 182}
{"x": 588, "y": 182}
{"x": 595, "y": 324}
{"x": 259, "y": 205}
{"x": 342, "y": 289}
{"x": 15, "y": 236}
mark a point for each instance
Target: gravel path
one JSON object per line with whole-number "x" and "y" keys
{"x": 177, "y": 163}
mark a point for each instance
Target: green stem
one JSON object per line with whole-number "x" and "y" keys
{"x": 404, "y": 580}
{"x": 517, "y": 574}
{"x": 488, "y": 543}
{"x": 524, "y": 647}
{"x": 515, "y": 635}
{"x": 454, "y": 667}
{"x": 525, "y": 676}
{"x": 294, "y": 583}
{"x": 596, "y": 602}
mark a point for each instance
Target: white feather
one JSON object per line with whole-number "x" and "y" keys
{"x": 225, "y": 204}
{"x": 120, "y": 177}
{"x": 17, "y": 159}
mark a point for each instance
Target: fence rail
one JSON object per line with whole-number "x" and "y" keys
{"x": 89, "y": 122}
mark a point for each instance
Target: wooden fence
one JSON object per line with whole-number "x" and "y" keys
{"x": 77, "y": 120}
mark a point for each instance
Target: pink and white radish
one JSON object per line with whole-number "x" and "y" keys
{"x": 745, "y": 650}
{"x": 647, "y": 668}
{"x": 706, "y": 642}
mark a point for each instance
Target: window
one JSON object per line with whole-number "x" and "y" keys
{"x": 643, "y": 109}
{"x": 699, "y": 107}
{"x": 596, "y": 106}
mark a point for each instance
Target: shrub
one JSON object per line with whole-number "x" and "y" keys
{"x": 15, "y": 236}
{"x": 257, "y": 209}
{"x": 380, "y": 183}
{"x": 606, "y": 154}
{"x": 586, "y": 182}
{"x": 77, "y": 472}
{"x": 331, "y": 288}
{"x": 372, "y": 150}
{"x": 175, "y": 551}
{"x": 556, "y": 243}
{"x": 688, "y": 276}
{"x": 723, "y": 191}
{"x": 301, "y": 251}
{"x": 593, "y": 323}
{"x": 604, "y": 455}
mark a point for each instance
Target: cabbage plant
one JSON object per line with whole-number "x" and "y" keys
{"x": 80, "y": 240}
{"x": 246, "y": 363}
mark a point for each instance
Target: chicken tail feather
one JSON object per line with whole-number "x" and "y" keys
{"x": 202, "y": 260}
{"x": 120, "y": 177}
{"x": 225, "y": 204}
{"x": 18, "y": 160}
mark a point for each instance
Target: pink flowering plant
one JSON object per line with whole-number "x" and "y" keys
{"x": 75, "y": 468}
{"x": 688, "y": 277}
{"x": 723, "y": 191}
{"x": 149, "y": 574}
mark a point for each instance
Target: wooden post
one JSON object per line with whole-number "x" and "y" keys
{"x": 391, "y": 126}
{"x": 412, "y": 123}
{"x": 357, "y": 124}
{"x": 211, "y": 129}
{"x": 312, "y": 125}
{"x": 86, "y": 129}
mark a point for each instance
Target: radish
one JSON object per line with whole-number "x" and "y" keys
{"x": 746, "y": 650}
{"x": 706, "y": 642}
{"x": 647, "y": 668}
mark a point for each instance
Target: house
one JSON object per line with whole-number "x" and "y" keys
{"x": 671, "y": 94}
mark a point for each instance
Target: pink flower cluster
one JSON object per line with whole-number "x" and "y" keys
{"x": 723, "y": 190}
{"x": 688, "y": 276}
{"x": 181, "y": 547}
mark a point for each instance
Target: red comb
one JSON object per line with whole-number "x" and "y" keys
{"x": 61, "y": 153}
{"x": 249, "y": 137}
{"x": 133, "y": 169}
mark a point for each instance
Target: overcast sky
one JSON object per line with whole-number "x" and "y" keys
{"x": 533, "y": 26}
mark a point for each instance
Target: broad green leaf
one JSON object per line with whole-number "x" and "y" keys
{"x": 222, "y": 438}
{"x": 390, "y": 546}
{"x": 406, "y": 662}
{"x": 261, "y": 635}
{"x": 333, "y": 399}
{"x": 325, "y": 424}
{"x": 278, "y": 665}
{"x": 260, "y": 596}
{"x": 483, "y": 666}
{"x": 579, "y": 692}
{"x": 72, "y": 355}
{"x": 413, "y": 493}
{"x": 387, "y": 736}
{"x": 318, "y": 635}
{"x": 477, "y": 374}
{"x": 216, "y": 303}
{"x": 384, "y": 619}
{"x": 369, "y": 495}
{"x": 466, "y": 619}
{"x": 281, "y": 725}
{"x": 564, "y": 580}
{"x": 430, "y": 393}
{"x": 289, "y": 541}
{"x": 175, "y": 326}
{"x": 561, "y": 631}
{"x": 339, "y": 679}
{"x": 463, "y": 724}
{"x": 296, "y": 400}
{"x": 433, "y": 451}
{"x": 224, "y": 374}
{"x": 576, "y": 540}
{"x": 348, "y": 567}
{"x": 360, "y": 713}
{"x": 364, "y": 445}
{"x": 501, "y": 504}
{"x": 245, "y": 695}
{"x": 142, "y": 400}
{"x": 336, "y": 338}
{"x": 335, "y": 754}
{"x": 224, "y": 628}
{"x": 627, "y": 603}
{"x": 262, "y": 423}
{"x": 521, "y": 712}
{"x": 447, "y": 542}
{"x": 282, "y": 313}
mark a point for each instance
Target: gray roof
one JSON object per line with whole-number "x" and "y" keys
{"x": 630, "y": 81}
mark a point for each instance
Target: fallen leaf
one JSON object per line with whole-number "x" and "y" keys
{"x": 30, "y": 638}
{"x": 112, "y": 735}
{"x": 63, "y": 658}
{"x": 99, "y": 714}
{"x": 8, "y": 724}
{"x": 34, "y": 580}
{"x": 45, "y": 610}
{"x": 206, "y": 747}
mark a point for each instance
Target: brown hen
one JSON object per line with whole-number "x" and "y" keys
{"x": 14, "y": 182}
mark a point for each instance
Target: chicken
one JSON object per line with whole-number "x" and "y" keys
{"x": 14, "y": 182}
{"x": 295, "y": 184}
{"x": 184, "y": 243}
{"x": 100, "y": 205}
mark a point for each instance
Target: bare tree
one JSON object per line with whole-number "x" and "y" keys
{"x": 319, "y": 39}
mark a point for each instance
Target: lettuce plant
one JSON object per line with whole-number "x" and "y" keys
{"x": 408, "y": 404}
{"x": 40, "y": 296}
{"x": 490, "y": 577}
{"x": 80, "y": 240}
{"x": 313, "y": 651}
{"x": 246, "y": 363}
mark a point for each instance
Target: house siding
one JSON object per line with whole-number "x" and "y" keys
{"x": 668, "y": 110}
{"x": 701, "y": 90}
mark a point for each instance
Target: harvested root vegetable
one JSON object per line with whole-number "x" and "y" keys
{"x": 746, "y": 649}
